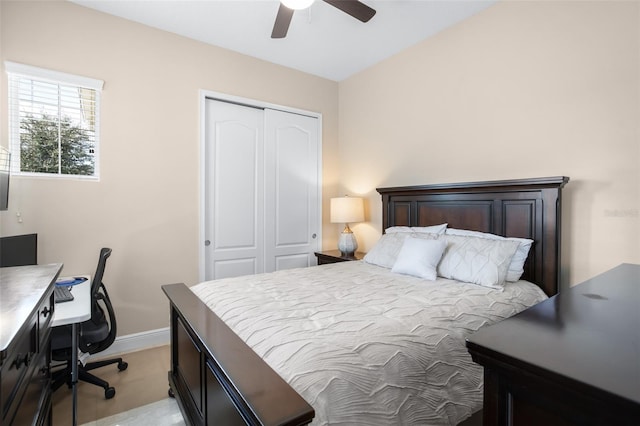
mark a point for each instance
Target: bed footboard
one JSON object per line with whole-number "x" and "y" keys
{"x": 216, "y": 378}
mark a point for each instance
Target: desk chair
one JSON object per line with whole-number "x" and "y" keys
{"x": 95, "y": 335}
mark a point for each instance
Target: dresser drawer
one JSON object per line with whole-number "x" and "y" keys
{"x": 45, "y": 316}
{"x": 36, "y": 401}
{"x": 16, "y": 367}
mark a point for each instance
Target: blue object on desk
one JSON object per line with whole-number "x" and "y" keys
{"x": 71, "y": 281}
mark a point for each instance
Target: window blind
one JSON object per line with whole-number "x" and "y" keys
{"x": 54, "y": 121}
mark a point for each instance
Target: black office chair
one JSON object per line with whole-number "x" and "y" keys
{"x": 95, "y": 335}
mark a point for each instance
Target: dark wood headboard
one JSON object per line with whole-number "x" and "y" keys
{"x": 525, "y": 208}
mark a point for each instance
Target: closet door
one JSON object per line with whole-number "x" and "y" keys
{"x": 292, "y": 184}
{"x": 262, "y": 189}
{"x": 234, "y": 205}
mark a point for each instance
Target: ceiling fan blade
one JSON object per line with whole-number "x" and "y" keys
{"x": 283, "y": 19}
{"x": 354, "y": 8}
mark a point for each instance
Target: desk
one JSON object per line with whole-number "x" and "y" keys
{"x": 74, "y": 312}
{"x": 77, "y": 310}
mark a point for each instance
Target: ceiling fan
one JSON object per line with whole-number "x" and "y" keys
{"x": 355, "y": 8}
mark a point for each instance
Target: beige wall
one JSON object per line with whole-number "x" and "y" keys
{"x": 145, "y": 205}
{"x": 524, "y": 89}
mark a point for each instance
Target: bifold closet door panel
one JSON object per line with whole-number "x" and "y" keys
{"x": 234, "y": 206}
{"x": 292, "y": 185}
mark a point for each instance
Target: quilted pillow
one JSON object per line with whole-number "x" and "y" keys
{"x": 419, "y": 257}
{"x": 475, "y": 260}
{"x": 385, "y": 252}
{"x": 433, "y": 229}
{"x": 516, "y": 267}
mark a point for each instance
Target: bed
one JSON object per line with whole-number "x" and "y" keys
{"x": 262, "y": 349}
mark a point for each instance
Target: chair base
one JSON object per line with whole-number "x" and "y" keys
{"x": 64, "y": 375}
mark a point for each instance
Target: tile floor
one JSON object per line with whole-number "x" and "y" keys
{"x": 142, "y": 383}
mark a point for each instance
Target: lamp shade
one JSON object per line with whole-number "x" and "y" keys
{"x": 347, "y": 210}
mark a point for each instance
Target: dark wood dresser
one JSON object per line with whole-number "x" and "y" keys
{"x": 573, "y": 359}
{"x": 26, "y": 309}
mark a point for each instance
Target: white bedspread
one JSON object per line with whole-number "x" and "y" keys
{"x": 365, "y": 346}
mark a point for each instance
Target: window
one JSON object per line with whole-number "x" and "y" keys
{"x": 53, "y": 122}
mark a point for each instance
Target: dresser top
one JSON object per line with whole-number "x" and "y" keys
{"x": 589, "y": 334}
{"x": 22, "y": 289}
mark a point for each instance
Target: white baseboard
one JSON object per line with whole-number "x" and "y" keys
{"x": 136, "y": 342}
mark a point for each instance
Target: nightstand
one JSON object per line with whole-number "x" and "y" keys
{"x": 334, "y": 256}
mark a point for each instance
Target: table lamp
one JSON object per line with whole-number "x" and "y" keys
{"x": 347, "y": 210}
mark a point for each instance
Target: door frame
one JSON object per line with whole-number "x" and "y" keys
{"x": 203, "y": 95}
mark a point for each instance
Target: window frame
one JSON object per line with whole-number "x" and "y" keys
{"x": 55, "y": 77}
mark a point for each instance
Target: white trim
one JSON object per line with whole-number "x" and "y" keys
{"x": 37, "y": 175}
{"x": 255, "y": 103}
{"x": 208, "y": 94}
{"x": 14, "y": 131}
{"x": 53, "y": 76}
{"x": 201, "y": 180}
{"x": 136, "y": 342}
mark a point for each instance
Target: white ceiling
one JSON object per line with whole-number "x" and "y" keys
{"x": 322, "y": 40}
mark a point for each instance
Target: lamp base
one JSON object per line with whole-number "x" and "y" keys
{"x": 347, "y": 243}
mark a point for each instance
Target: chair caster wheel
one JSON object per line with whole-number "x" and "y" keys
{"x": 122, "y": 366}
{"x": 171, "y": 394}
{"x": 109, "y": 393}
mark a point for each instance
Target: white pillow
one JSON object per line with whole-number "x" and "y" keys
{"x": 434, "y": 229}
{"x": 419, "y": 257}
{"x": 516, "y": 267}
{"x": 479, "y": 261}
{"x": 385, "y": 252}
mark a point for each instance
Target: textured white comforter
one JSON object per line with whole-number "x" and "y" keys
{"x": 365, "y": 346}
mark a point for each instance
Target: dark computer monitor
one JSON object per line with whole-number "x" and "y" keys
{"x": 19, "y": 250}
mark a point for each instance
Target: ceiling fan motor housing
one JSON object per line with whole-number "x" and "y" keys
{"x": 354, "y": 8}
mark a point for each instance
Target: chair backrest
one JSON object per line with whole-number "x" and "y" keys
{"x": 102, "y": 263}
{"x": 101, "y": 304}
